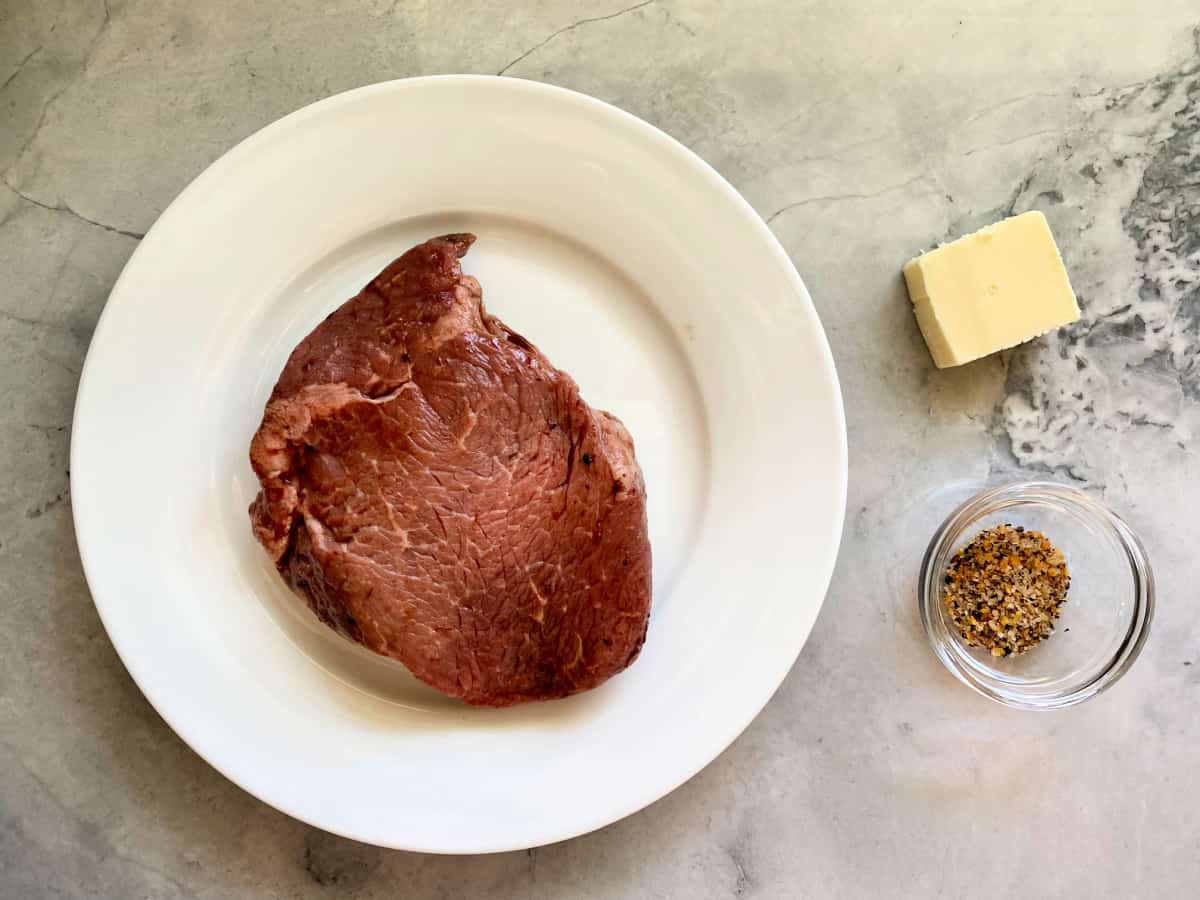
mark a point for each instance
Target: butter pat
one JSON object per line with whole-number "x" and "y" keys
{"x": 994, "y": 289}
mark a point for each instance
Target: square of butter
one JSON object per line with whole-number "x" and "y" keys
{"x": 994, "y": 289}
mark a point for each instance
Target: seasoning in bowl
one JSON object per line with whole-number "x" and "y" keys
{"x": 1005, "y": 589}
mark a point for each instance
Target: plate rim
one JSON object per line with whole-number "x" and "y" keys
{"x": 750, "y": 219}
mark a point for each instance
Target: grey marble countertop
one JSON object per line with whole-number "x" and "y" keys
{"x": 863, "y": 132}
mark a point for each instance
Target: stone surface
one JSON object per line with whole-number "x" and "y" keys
{"x": 863, "y": 137}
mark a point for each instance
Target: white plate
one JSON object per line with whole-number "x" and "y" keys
{"x": 636, "y": 268}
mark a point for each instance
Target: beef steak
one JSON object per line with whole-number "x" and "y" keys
{"x": 436, "y": 490}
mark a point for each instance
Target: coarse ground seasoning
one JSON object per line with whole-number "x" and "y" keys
{"x": 1005, "y": 589}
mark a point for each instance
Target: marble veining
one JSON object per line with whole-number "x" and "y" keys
{"x": 863, "y": 133}
{"x": 1131, "y": 362}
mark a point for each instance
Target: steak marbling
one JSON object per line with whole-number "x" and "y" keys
{"x": 437, "y": 491}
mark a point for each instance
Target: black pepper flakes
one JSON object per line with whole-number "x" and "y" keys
{"x": 1005, "y": 589}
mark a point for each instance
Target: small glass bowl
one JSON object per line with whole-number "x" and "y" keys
{"x": 1105, "y": 618}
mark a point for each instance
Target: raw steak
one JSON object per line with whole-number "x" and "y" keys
{"x": 437, "y": 491}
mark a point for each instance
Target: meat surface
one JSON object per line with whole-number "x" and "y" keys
{"x": 436, "y": 490}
